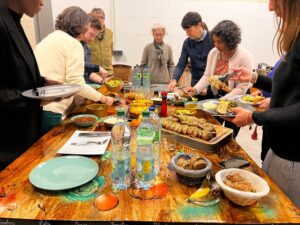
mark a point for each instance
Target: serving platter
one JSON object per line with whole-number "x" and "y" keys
{"x": 53, "y": 92}
{"x": 213, "y": 145}
{"x": 210, "y": 106}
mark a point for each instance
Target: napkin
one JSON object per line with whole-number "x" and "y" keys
{"x": 89, "y": 149}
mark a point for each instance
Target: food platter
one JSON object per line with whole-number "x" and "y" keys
{"x": 251, "y": 100}
{"x": 213, "y": 145}
{"x": 210, "y": 106}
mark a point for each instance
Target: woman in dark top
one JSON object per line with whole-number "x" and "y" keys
{"x": 20, "y": 117}
{"x": 282, "y": 120}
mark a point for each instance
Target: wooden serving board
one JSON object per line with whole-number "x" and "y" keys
{"x": 223, "y": 135}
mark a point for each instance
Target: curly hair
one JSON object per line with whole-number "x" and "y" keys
{"x": 228, "y": 32}
{"x": 73, "y": 20}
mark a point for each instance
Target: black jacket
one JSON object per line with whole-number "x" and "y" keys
{"x": 282, "y": 120}
{"x": 19, "y": 117}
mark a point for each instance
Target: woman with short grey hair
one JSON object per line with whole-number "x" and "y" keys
{"x": 158, "y": 56}
{"x": 60, "y": 56}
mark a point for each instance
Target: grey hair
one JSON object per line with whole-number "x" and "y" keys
{"x": 73, "y": 21}
{"x": 228, "y": 32}
{"x": 97, "y": 10}
{"x": 158, "y": 26}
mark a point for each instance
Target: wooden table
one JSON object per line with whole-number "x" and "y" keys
{"x": 21, "y": 203}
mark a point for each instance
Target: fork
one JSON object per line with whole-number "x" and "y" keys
{"x": 226, "y": 76}
{"x": 89, "y": 142}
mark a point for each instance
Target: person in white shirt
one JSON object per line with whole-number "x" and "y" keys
{"x": 60, "y": 56}
{"x": 224, "y": 57}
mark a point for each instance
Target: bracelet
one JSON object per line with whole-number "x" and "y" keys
{"x": 249, "y": 119}
{"x": 254, "y": 77}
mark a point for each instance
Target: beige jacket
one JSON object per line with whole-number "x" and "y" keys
{"x": 101, "y": 51}
{"x": 160, "y": 74}
{"x": 60, "y": 57}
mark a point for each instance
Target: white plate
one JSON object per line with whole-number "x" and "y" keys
{"x": 247, "y": 102}
{"x": 213, "y": 112}
{"x": 53, "y": 92}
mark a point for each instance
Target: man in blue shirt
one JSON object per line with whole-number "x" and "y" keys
{"x": 196, "y": 47}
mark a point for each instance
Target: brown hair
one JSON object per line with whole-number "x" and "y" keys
{"x": 95, "y": 23}
{"x": 73, "y": 21}
{"x": 288, "y": 24}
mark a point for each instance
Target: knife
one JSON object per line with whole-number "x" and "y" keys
{"x": 98, "y": 134}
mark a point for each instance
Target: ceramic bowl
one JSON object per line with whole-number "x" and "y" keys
{"x": 84, "y": 120}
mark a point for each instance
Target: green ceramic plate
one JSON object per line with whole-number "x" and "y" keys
{"x": 63, "y": 173}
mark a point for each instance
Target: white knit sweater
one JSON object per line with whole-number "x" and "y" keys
{"x": 241, "y": 58}
{"x": 60, "y": 57}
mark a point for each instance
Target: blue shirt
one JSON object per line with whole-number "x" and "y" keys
{"x": 197, "y": 51}
{"x": 88, "y": 66}
{"x": 271, "y": 74}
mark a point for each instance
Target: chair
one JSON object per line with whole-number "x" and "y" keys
{"x": 122, "y": 71}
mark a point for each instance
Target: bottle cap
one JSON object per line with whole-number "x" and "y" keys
{"x": 152, "y": 108}
{"x": 145, "y": 113}
{"x": 120, "y": 112}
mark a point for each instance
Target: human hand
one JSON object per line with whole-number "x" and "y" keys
{"x": 265, "y": 104}
{"x": 49, "y": 82}
{"x": 172, "y": 85}
{"x": 191, "y": 91}
{"x": 103, "y": 72}
{"x": 107, "y": 100}
{"x": 242, "y": 117}
{"x": 242, "y": 74}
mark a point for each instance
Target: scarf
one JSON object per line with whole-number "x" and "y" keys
{"x": 159, "y": 52}
{"x": 102, "y": 33}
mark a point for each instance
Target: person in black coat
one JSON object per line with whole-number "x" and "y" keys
{"x": 20, "y": 117}
{"x": 282, "y": 119}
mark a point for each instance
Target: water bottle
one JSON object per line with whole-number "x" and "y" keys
{"x": 137, "y": 78}
{"x": 120, "y": 154}
{"x": 144, "y": 170}
{"x": 147, "y": 82}
{"x": 146, "y": 77}
{"x": 156, "y": 123}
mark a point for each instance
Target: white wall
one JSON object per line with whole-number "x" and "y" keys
{"x": 131, "y": 21}
{"x": 59, "y": 5}
{"x": 134, "y": 18}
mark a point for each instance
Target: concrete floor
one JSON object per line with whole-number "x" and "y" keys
{"x": 252, "y": 147}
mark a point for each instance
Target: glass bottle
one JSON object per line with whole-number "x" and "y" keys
{"x": 120, "y": 154}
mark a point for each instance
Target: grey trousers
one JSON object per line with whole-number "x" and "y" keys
{"x": 285, "y": 173}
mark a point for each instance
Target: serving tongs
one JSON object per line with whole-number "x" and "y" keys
{"x": 226, "y": 76}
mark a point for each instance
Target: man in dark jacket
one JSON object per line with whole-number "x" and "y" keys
{"x": 196, "y": 47}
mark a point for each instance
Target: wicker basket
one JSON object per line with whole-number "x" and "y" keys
{"x": 243, "y": 198}
{"x": 190, "y": 177}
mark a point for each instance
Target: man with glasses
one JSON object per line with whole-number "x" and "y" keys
{"x": 93, "y": 73}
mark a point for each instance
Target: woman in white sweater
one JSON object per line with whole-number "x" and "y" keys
{"x": 60, "y": 57}
{"x": 224, "y": 57}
